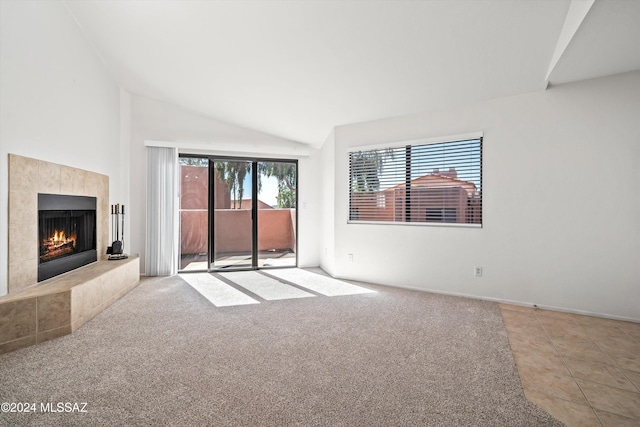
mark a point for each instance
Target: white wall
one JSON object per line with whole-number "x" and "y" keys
{"x": 57, "y": 101}
{"x": 561, "y": 181}
{"x": 327, "y": 254}
{"x": 158, "y": 121}
{"x": 310, "y": 208}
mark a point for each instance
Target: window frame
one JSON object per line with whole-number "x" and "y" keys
{"x": 417, "y": 142}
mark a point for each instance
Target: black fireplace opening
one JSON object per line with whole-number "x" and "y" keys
{"x": 66, "y": 233}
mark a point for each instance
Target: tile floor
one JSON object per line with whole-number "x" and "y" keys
{"x": 583, "y": 370}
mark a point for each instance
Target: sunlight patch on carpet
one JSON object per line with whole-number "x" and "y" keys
{"x": 318, "y": 283}
{"x": 215, "y": 290}
{"x": 265, "y": 287}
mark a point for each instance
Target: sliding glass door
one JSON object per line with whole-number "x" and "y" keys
{"x": 194, "y": 214}
{"x": 277, "y": 198}
{"x": 237, "y": 213}
{"x": 233, "y": 233}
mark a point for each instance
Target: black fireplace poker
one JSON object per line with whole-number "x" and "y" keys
{"x": 116, "y": 250}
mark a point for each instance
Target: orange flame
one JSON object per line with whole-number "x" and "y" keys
{"x": 59, "y": 238}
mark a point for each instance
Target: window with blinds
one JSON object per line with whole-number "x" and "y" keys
{"x": 428, "y": 183}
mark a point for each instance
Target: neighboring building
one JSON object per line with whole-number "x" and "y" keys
{"x": 247, "y": 204}
{"x": 276, "y": 227}
{"x": 435, "y": 197}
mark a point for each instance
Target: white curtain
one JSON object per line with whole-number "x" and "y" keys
{"x": 161, "y": 248}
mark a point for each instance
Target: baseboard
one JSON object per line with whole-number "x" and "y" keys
{"x": 503, "y": 301}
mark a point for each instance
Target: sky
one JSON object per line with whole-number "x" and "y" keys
{"x": 268, "y": 192}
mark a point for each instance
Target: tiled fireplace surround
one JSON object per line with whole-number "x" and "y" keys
{"x": 34, "y": 312}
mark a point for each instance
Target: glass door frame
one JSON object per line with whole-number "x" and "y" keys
{"x": 254, "y": 210}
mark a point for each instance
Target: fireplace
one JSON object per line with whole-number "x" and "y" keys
{"x": 66, "y": 233}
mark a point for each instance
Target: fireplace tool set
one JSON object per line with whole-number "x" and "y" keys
{"x": 116, "y": 250}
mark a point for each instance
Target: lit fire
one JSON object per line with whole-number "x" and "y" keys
{"x": 58, "y": 239}
{"x": 58, "y": 244}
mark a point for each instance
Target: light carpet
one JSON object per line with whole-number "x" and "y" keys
{"x": 164, "y": 355}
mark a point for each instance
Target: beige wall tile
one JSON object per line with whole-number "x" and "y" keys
{"x": 78, "y": 324}
{"x": 92, "y": 184}
{"x": 54, "y": 333}
{"x": 102, "y": 232}
{"x": 18, "y": 344}
{"x": 17, "y": 319}
{"x": 80, "y": 182}
{"x": 67, "y": 177}
{"x": 67, "y": 310}
{"x": 76, "y": 303}
{"x": 48, "y": 177}
{"x": 95, "y": 311}
{"x": 23, "y": 208}
{"x": 91, "y": 295}
{"x": 22, "y": 274}
{"x": 103, "y": 187}
{"x": 21, "y": 241}
{"x": 54, "y": 311}
{"x": 23, "y": 173}
{"x": 27, "y": 177}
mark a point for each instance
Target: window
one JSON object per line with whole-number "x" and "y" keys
{"x": 442, "y": 215}
{"x": 423, "y": 182}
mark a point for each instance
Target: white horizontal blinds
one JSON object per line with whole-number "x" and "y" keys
{"x": 374, "y": 174}
{"x": 419, "y": 183}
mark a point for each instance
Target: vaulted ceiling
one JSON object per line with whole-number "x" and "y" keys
{"x": 296, "y": 69}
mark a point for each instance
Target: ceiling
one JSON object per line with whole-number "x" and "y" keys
{"x": 296, "y": 69}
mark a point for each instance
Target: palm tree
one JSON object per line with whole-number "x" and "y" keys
{"x": 233, "y": 174}
{"x": 366, "y": 167}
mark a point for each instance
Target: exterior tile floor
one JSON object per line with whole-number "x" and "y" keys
{"x": 583, "y": 370}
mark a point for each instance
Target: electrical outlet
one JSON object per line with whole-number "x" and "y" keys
{"x": 477, "y": 271}
{"x": 350, "y": 257}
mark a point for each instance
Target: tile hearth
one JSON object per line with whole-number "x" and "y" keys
{"x": 60, "y": 305}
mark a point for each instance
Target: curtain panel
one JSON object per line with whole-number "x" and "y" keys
{"x": 161, "y": 246}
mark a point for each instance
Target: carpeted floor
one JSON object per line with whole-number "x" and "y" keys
{"x": 164, "y": 355}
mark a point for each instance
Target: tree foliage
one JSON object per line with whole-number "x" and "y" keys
{"x": 285, "y": 173}
{"x": 233, "y": 175}
{"x": 365, "y": 169}
{"x": 194, "y": 161}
